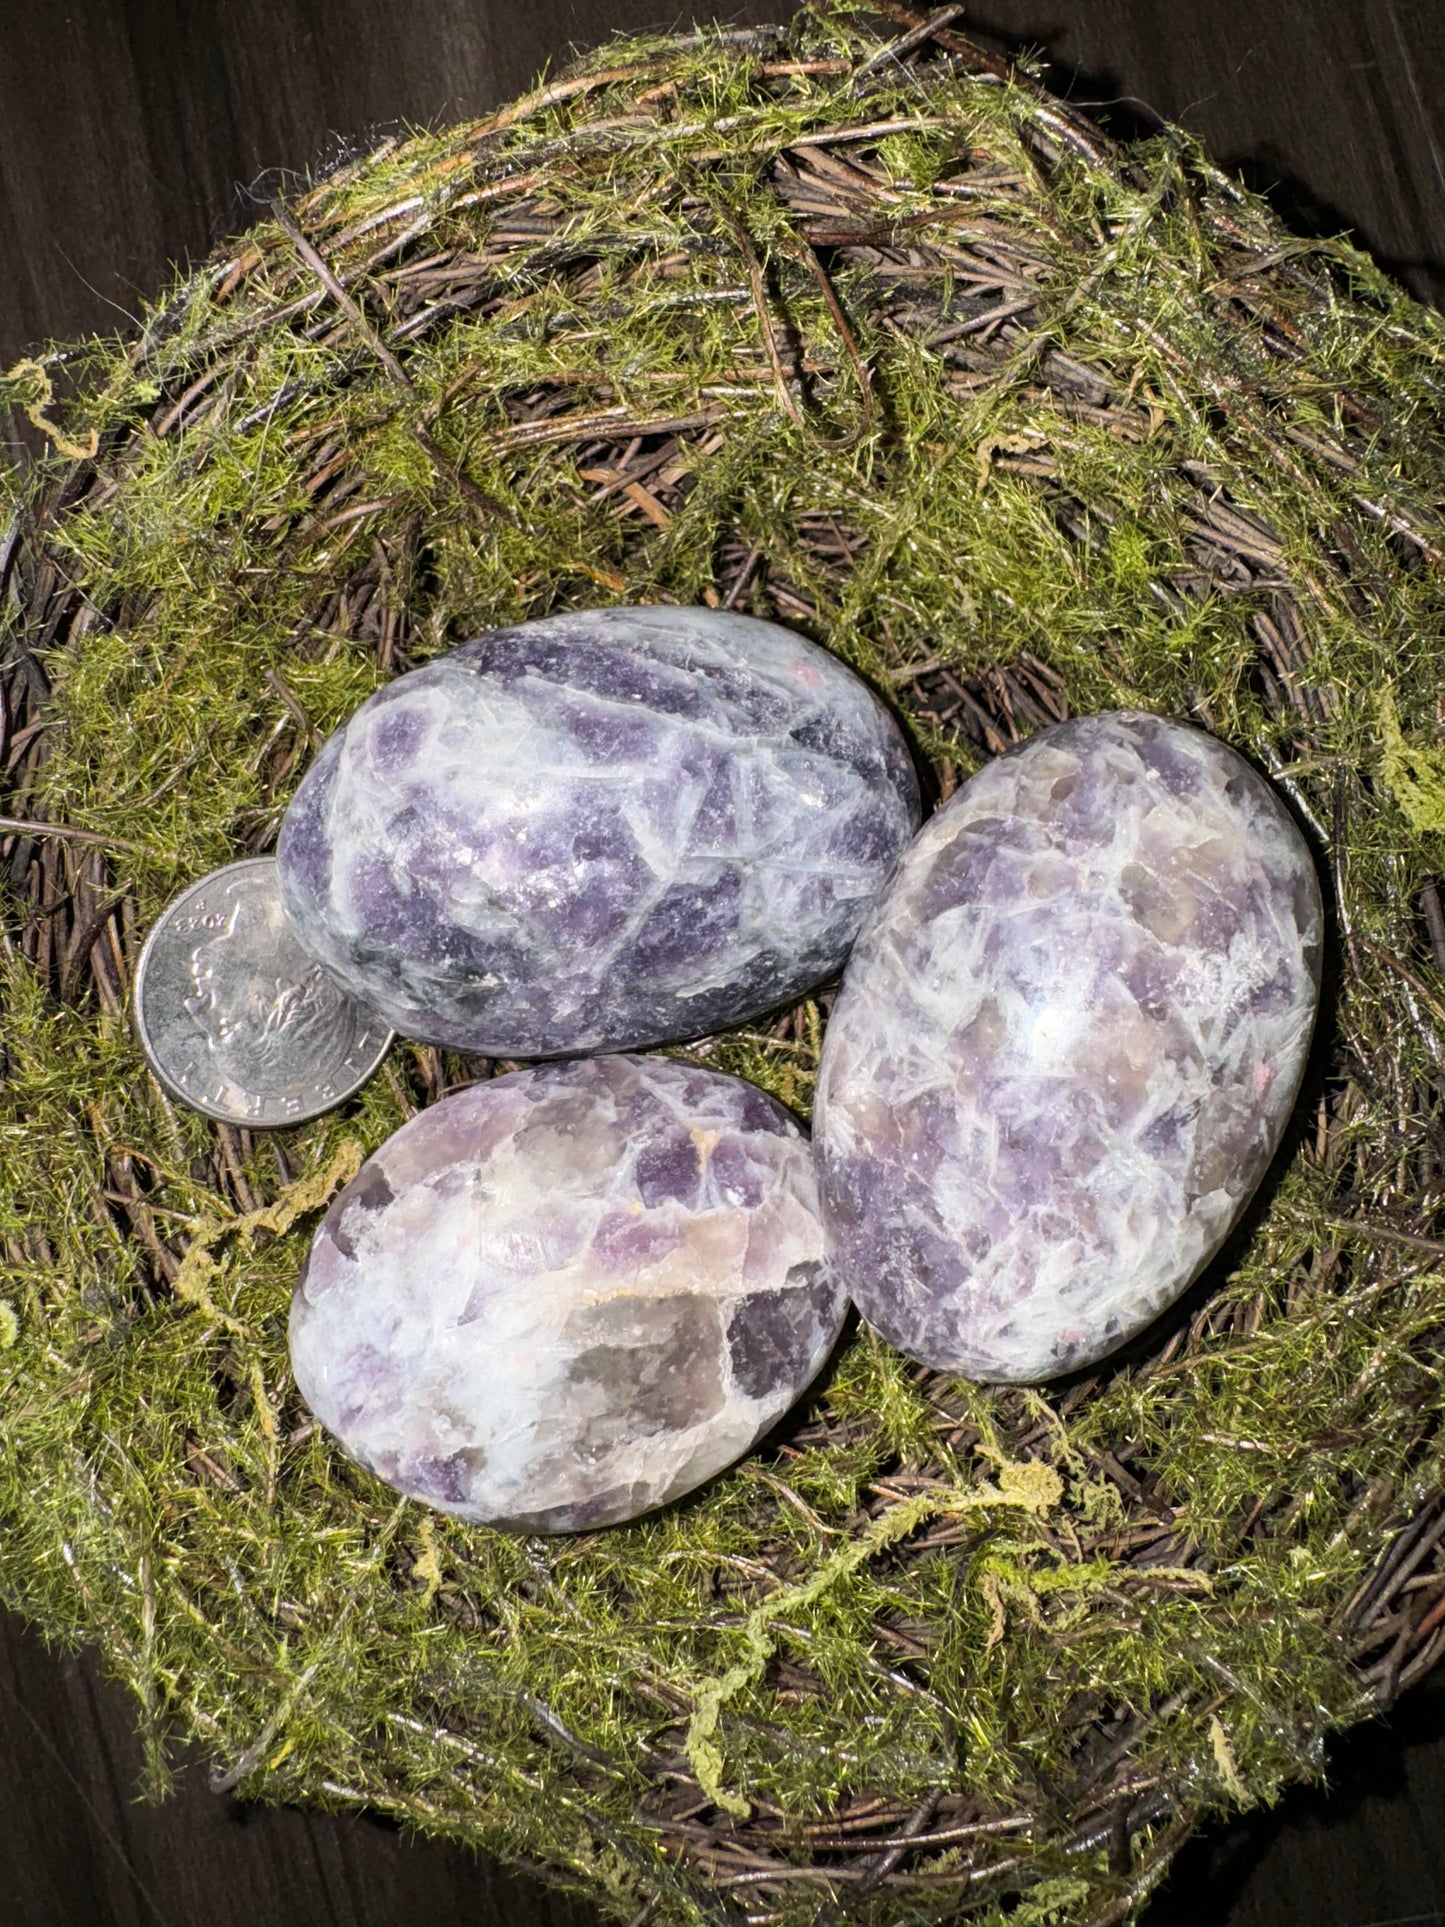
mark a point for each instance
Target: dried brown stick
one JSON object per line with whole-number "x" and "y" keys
{"x": 349, "y": 307}
{"x": 1434, "y": 915}
{"x": 935, "y": 1837}
{"x": 760, "y": 304}
{"x": 470, "y": 490}
{"x": 27, "y": 826}
{"x": 860, "y": 367}
{"x": 916, "y": 1825}
{"x": 978, "y": 59}
{"x": 1392, "y": 1234}
{"x": 895, "y": 52}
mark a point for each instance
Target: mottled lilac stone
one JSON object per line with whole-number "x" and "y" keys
{"x": 596, "y": 831}
{"x": 1066, "y": 1047}
{"x": 558, "y": 1299}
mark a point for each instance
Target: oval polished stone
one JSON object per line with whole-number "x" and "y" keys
{"x": 558, "y": 1299}
{"x": 1066, "y": 1047}
{"x": 598, "y": 830}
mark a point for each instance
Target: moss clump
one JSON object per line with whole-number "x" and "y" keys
{"x": 894, "y": 348}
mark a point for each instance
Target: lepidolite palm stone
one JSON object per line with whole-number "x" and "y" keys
{"x": 598, "y": 830}
{"x": 558, "y": 1299}
{"x": 1066, "y": 1047}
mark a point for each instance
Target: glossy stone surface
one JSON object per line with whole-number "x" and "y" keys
{"x": 558, "y": 1299}
{"x": 1066, "y": 1047}
{"x": 598, "y": 830}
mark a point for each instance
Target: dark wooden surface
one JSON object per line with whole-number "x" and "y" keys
{"x": 131, "y": 130}
{"x": 133, "y": 134}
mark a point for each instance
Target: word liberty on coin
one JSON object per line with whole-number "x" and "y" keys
{"x": 235, "y": 1018}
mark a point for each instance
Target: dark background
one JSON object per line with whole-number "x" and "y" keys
{"x": 136, "y": 133}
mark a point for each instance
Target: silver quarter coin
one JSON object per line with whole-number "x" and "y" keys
{"x": 235, "y": 1018}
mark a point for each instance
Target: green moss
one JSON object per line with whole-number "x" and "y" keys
{"x": 1414, "y": 776}
{"x": 1197, "y": 435}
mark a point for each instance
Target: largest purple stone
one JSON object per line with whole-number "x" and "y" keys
{"x": 1066, "y": 1046}
{"x": 596, "y": 831}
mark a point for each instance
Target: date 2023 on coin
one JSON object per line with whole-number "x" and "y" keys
{"x": 236, "y": 1020}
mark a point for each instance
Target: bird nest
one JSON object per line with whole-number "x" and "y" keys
{"x": 876, "y": 339}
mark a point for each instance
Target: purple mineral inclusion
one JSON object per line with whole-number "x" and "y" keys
{"x": 1067, "y": 1043}
{"x": 599, "y": 830}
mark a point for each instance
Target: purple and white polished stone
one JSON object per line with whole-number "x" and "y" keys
{"x": 596, "y": 831}
{"x": 561, "y": 1298}
{"x": 1067, "y": 1043}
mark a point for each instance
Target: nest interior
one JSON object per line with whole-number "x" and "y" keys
{"x": 852, "y": 326}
